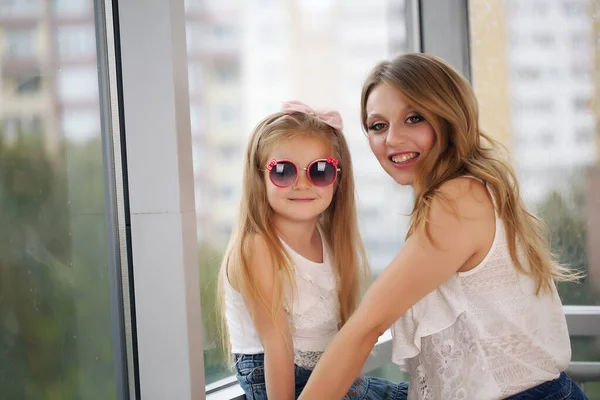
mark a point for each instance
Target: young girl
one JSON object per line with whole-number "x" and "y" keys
{"x": 292, "y": 272}
{"x": 470, "y": 296}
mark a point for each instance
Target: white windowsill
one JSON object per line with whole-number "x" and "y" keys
{"x": 584, "y": 320}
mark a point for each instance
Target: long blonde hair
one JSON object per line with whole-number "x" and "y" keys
{"x": 338, "y": 223}
{"x": 460, "y": 148}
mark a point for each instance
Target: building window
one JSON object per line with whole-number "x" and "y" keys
{"x": 228, "y": 114}
{"x": 228, "y": 72}
{"x": 581, "y": 39}
{"x": 225, "y": 229}
{"x": 580, "y": 71}
{"x": 77, "y": 40}
{"x": 81, "y": 125}
{"x": 228, "y": 152}
{"x": 544, "y": 40}
{"x": 20, "y": 125}
{"x": 539, "y": 7}
{"x": 20, "y": 8}
{"x": 584, "y": 136}
{"x": 581, "y": 104}
{"x": 78, "y": 83}
{"x": 537, "y": 105}
{"x": 575, "y": 8}
{"x": 20, "y": 43}
{"x": 547, "y": 139}
{"x": 29, "y": 83}
{"x": 528, "y": 73}
{"x": 226, "y": 193}
{"x": 71, "y": 8}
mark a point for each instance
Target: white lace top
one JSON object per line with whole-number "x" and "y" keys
{"x": 314, "y": 318}
{"x": 483, "y": 334}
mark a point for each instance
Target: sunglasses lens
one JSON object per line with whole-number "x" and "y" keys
{"x": 322, "y": 173}
{"x": 283, "y": 174}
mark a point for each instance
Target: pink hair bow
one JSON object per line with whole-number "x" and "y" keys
{"x": 329, "y": 116}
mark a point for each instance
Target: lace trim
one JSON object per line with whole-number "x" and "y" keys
{"x": 451, "y": 366}
{"x": 307, "y": 359}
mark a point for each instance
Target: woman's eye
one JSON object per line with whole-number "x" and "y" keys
{"x": 377, "y": 126}
{"x": 414, "y": 119}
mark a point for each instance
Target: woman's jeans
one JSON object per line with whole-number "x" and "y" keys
{"x": 251, "y": 376}
{"x": 562, "y": 388}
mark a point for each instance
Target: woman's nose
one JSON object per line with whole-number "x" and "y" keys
{"x": 395, "y": 136}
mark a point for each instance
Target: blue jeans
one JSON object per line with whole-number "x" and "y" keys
{"x": 562, "y": 388}
{"x": 251, "y": 376}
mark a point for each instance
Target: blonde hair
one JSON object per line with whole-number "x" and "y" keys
{"x": 460, "y": 148}
{"x": 338, "y": 223}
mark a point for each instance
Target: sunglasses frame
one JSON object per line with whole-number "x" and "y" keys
{"x": 328, "y": 160}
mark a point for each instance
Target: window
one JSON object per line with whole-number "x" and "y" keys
{"x": 545, "y": 40}
{"x": 228, "y": 113}
{"x": 581, "y": 104}
{"x": 547, "y": 139}
{"x": 72, "y": 8}
{"x": 29, "y": 83}
{"x": 20, "y": 43}
{"x": 227, "y": 72}
{"x": 528, "y": 73}
{"x": 576, "y": 9}
{"x": 277, "y": 60}
{"x": 537, "y": 104}
{"x": 80, "y": 125}
{"x": 20, "y": 8}
{"x": 18, "y": 126}
{"x": 581, "y": 39}
{"x": 226, "y": 194}
{"x": 76, "y": 41}
{"x": 548, "y": 148}
{"x": 579, "y": 72}
{"x": 556, "y": 158}
{"x": 78, "y": 83}
{"x": 584, "y": 135}
{"x": 195, "y": 78}
{"x": 229, "y": 152}
{"x": 57, "y": 328}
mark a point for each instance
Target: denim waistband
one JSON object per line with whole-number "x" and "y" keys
{"x": 558, "y": 389}
{"x": 260, "y": 357}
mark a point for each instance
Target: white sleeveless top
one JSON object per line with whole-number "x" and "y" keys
{"x": 314, "y": 318}
{"x": 483, "y": 334}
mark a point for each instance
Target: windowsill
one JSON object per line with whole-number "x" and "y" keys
{"x": 582, "y": 321}
{"x": 228, "y": 388}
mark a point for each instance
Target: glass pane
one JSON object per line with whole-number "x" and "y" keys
{"x": 587, "y": 349}
{"x": 390, "y": 372}
{"x": 55, "y": 316}
{"x": 535, "y": 72}
{"x": 245, "y": 58}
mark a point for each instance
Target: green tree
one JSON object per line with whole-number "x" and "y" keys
{"x": 215, "y": 359}
{"x": 567, "y": 221}
{"x": 55, "y": 325}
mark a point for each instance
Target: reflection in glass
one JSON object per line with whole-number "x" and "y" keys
{"x": 55, "y": 322}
